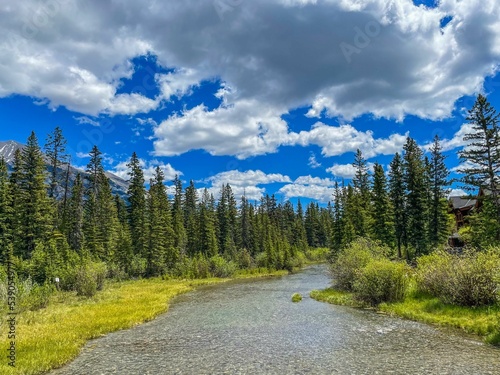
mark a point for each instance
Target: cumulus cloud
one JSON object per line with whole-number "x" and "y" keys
{"x": 238, "y": 130}
{"x": 345, "y": 170}
{"x": 149, "y": 168}
{"x": 337, "y": 140}
{"x": 320, "y": 193}
{"x": 245, "y": 183}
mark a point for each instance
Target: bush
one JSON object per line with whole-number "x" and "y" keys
{"x": 219, "y": 267}
{"x": 296, "y": 297}
{"x": 381, "y": 281}
{"x": 39, "y": 297}
{"x": 245, "y": 260}
{"x": 351, "y": 259}
{"x": 261, "y": 260}
{"x": 137, "y": 267}
{"x": 90, "y": 278}
{"x": 470, "y": 279}
{"x": 319, "y": 254}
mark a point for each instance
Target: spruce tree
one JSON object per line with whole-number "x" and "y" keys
{"x": 5, "y": 211}
{"x": 190, "y": 219}
{"x": 361, "y": 197}
{"x": 415, "y": 184}
{"x": 55, "y": 150}
{"x": 36, "y": 210}
{"x": 438, "y": 207}
{"x": 397, "y": 195}
{"x": 74, "y": 232}
{"x": 161, "y": 253}
{"x": 481, "y": 157}
{"x": 180, "y": 238}
{"x": 382, "y": 221}
{"x": 137, "y": 205}
{"x": 337, "y": 228}
{"x": 208, "y": 237}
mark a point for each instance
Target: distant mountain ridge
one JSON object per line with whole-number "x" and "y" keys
{"x": 118, "y": 185}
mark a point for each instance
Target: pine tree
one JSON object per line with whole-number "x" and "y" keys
{"x": 180, "y": 238}
{"x": 414, "y": 179}
{"x": 55, "y": 150}
{"x": 190, "y": 219}
{"x": 361, "y": 197}
{"x": 382, "y": 221}
{"x": 36, "y": 209}
{"x": 439, "y": 181}
{"x": 482, "y": 154}
{"x": 299, "y": 232}
{"x": 311, "y": 224}
{"x": 208, "y": 237}
{"x": 137, "y": 205}
{"x": 74, "y": 232}
{"x": 397, "y": 195}
{"x": 5, "y": 211}
{"x": 338, "y": 224}
{"x": 124, "y": 252}
{"x": 100, "y": 221}
{"x": 161, "y": 253}
{"x": 15, "y": 194}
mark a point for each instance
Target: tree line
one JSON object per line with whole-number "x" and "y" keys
{"x": 48, "y": 221}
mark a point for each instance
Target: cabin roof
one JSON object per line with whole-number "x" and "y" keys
{"x": 462, "y": 202}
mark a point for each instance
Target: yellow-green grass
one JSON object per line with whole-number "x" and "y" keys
{"x": 51, "y": 337}
{"x": 483, "y": 321}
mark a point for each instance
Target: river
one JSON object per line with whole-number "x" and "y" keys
{"x": 252, "y": 327}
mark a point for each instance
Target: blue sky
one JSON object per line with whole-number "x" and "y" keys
{"x": 271, "y": 96}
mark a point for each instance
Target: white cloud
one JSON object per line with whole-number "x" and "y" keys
{"x": 310, "y": 180}
{"x": 248, "y": 128}
{"x": 148, "y": 168}
{"x": 337, "y": 140}
{"x": 317, "y": 192}
{"x": 345, "y": 170}
{"x": 245, "y": 183}
{"x": 313, "y": 163}
{"x": 457, "y": 193}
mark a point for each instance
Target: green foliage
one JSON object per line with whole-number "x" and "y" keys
{"x": 381, "y": 281}
{"x": 220, "y": 267}
{"x": 296, "y": 297}
{"x": 90, "y": 278}
{"x": 470, "y": 279}
{"x": 349, "y": 261}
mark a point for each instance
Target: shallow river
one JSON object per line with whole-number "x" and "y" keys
{"x": 252, "y": 327}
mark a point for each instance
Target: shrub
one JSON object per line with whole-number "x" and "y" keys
{"x": 219, "y": 267}
{"x": 90, "y": 278}
{"x": 261, "y": 260}
{"x": 245, "y": 260}
{"x": 351, "y": 259}
{"x": 470, "y": 279}
{"x": 39, "y": 297}
{"x": 296, "y": 297}
{"x": 381, "y": 281}
{"x": 137, "y": 266}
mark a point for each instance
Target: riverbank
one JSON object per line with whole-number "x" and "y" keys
{"x": 481, "y": 321}
{"x": 50, "y": 337}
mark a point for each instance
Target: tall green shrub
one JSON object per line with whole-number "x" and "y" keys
{"x": 382, "y": 281}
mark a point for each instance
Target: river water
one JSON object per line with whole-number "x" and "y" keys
{"x": 252, "y": 327}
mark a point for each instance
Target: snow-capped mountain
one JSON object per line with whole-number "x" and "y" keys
{"x": 118, "y": 185}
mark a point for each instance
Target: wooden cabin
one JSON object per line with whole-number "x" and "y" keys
{"x": 461, "y": 207}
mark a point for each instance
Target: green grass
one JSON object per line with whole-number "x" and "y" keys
{"x": 296, "y": 297}
{"x": 50, "y": 337}
{"x": 483, "y": 321}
